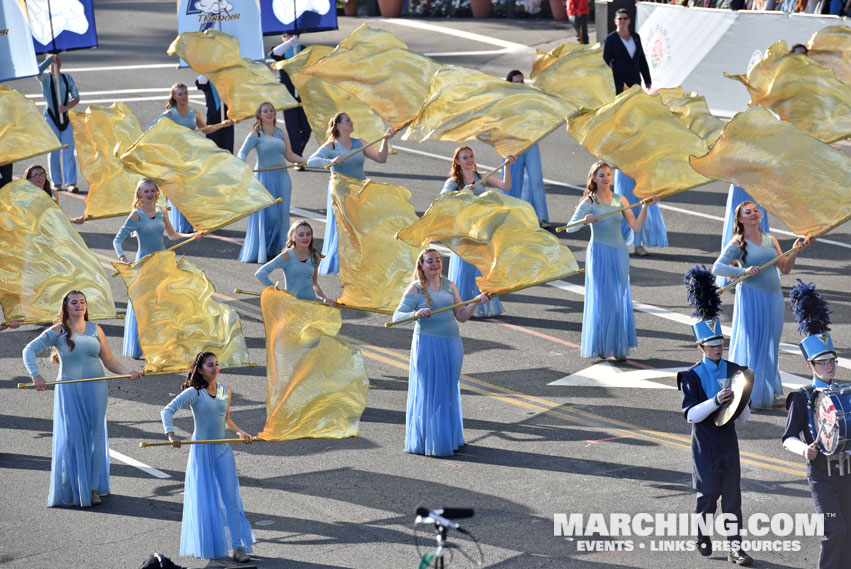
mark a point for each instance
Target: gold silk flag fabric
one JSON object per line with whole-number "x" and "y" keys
{"x": 210, "y": 186}
{"x": 375, "y": 267}
{"x": 463, "y": 104}
{"x": 43, "y": 257}
{"x": 639, "y": 135}
{"x": 316, "y": 384}
{"x": 242, "y": 83}
{"x": 797, "y": 178}
{"x": 101, "y": 134}
{"x": 691, "y": 110}
{"x": 378, "y": 68}
{"x": 322, "y": 100}
{"x": 832, "y": 48}
{"x": 497, "y": 233}
{"x": 800, "y": 91}
{"x": 23, "y": 131}
{"x": 576, "y": 74}
{"x": 177, "y": 316}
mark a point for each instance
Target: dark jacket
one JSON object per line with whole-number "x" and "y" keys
{"x": 627, "y": 71}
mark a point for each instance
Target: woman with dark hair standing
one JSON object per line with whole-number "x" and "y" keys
{"x": 79, "y": 468}
{"x": 338, "y": 143}
{"x": 758, "y": 312}
{"x": 265, "y": 237}
{"x": 211, "y": 477}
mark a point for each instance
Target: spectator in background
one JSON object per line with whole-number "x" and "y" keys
{"x": 60, "y": 94}
{"x": 623, "y": 53}
{"x": 799, "y": 48}
{"x": 577, "y": 10}
{"x": 295, "y": 121}
{"x": 216, "y": 112}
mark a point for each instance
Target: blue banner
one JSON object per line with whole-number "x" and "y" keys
{"x": 298, "y": 16}
{"x": 239, "y": 18}
{"x": 62, "y": 25}
{"x": 17, "y": 55}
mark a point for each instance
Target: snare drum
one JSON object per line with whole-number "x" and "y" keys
{"x": 830, "y": 419}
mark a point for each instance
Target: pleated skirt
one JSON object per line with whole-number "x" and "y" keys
{"x": 608, "y": 324}
{"x": 653, "y": 233}
{"x": 178, "y": 222}
{"x": 464, "y": 274}
{"x": 330, "y": 264}
{"x": 266, "y": 234}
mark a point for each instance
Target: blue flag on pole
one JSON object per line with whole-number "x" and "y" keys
{"x": 298, "y": 16}
{"x": 62, "y": 25}
{"x": 17, "y": 55}
{"x": 239, "y": 18}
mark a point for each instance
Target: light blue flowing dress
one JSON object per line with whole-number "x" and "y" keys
{"x": 353, "y": 168}
{"x": 266, "y": 234}
{"x": 653, "y": 233}
{"x": 213, "y": 516}
{"x": 608, "y": 324}
{"x": 298, "y": 274}
{"x": 464, "y": 274}
{"x": 178, "y": 221}
{"x": 735, "y": 196}
{"x": 433, "y": 420}
{"x": 80, "y": 461}
{"x": 527, "y": 181}
{"x": 757, "y": 317}
{"x": 149, "y": 234}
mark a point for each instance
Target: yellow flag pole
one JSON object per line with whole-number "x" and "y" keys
{"x": 601, "y": 216}
{"x": 125, "y": 376}
{"x": 359, "y": 150}
{"x": 25, "y": 321}
{"x": 762, "y": 268}
{"x": 296, "y": 165}
{"x": 339, "y": 305}
{"x": 471, "y": 301}
{"x": 145, "y": 444}
{"x": 488, "y": 175}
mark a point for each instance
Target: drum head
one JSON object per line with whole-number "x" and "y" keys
{"x": 742, "y": 384}
{"x": 825, "y": 427}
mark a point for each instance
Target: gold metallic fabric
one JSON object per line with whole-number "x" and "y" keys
{"x": 43, "y": 257}
{"x": 210, "y": 186}
{"x": 177, "y": 316}
{"x": 463, "y": 104}
{"x": 322, "y": 100}
{"x": 101, "y": 134}
{"x": 797, "y": 178}
{"x": 691, "y": 110}
{"x": 375, "y": 268}
{"x": 242, "y": 83}
{"x": 576, "y": 74}
{"x": 800, "y": 91}
{"x": 639, "y": 135}
{"x": 378, "y": 68}
{"x": 23, "y": 131}
{"x": 497, "y": 233}
{"x": 832, "y": 48}
{"x": 316, "y": 384}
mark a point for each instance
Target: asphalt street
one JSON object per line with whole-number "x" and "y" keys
{"x": 548, "y": 432}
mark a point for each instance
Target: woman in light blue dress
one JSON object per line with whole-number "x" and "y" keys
{"x": 654, "y": 233}
{"x": 148, "y": 223}
{"x": 608, "y": 325}
{"x": 79, "y": 468}
{"x": 265, "y": 237}
{"x": 433, "y": 419}
{"x": 758, "y": 312}
{"x": 735, "y": 196}
{"x": 178, "y": 110}
{"x": 213, "y": 516}
{"x": 338, "y": 143}
{"x": 464, "y": 173}
{"x": 300, "y": 264}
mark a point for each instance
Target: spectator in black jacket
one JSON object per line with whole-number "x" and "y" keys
{"x": 624, "y": 54}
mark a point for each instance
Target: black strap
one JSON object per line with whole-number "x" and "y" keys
{"x": 59, "y": 119}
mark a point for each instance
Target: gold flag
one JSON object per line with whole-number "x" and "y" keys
{"x": 463, "y": 104}
{"x": 316, "y": 384}
{"x": 832, "y": 48}
{"x": 637, "y": 133}
{"x": 378, "y": 68}
{"x": 23, "y": 131}
{"x": 691, "y": 110}
{"x": 576, "y": 74}
{"x": 497, "y": 233}
{"x": 801, "y": 92}
{"x": 242, "y": 83}
{"x": 177, "y": 316}
{"x": 368, "y": 216}
{"x": 100, "y": 135}
{"x": 797, "y": 178}
{"x": 322, "y": 100}
{"x": 43, "y": 257}
{"x": 210, "y": 186}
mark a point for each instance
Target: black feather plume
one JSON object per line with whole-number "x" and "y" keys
{"x": 810, "y": 309}
{"x": 702, "y": 292}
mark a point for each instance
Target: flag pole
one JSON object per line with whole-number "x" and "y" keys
{"x": 25, "y": 321}
{"x": 761, "y": 268}
{"x": 488, "y": 175}
{"x": 359, "y": 150}
{"x": 601, "y": 216}
{"x": 339, "y": 305}
{"x": 145, "y": 444}
{"x": 124, "y": 376}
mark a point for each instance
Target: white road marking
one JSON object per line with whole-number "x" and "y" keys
{"x": 606, "y": 374}
{"x": 140, "y": 465}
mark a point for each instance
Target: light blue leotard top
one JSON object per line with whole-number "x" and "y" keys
{"x": 298, "y": 274}
{"x": 189, "y": 121}
{"x": 82, "y": 362}
{"x": 441, "y": 324}
{"x": 451, "y": 185}
{"x": 270, "y": 149}
{"x": 209, "y": 412}
{"x": 149, "y": 232}
{"x": 607, "y": 230}
{"x": 758, "y": 254}
{"x": 352, "y": 167}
